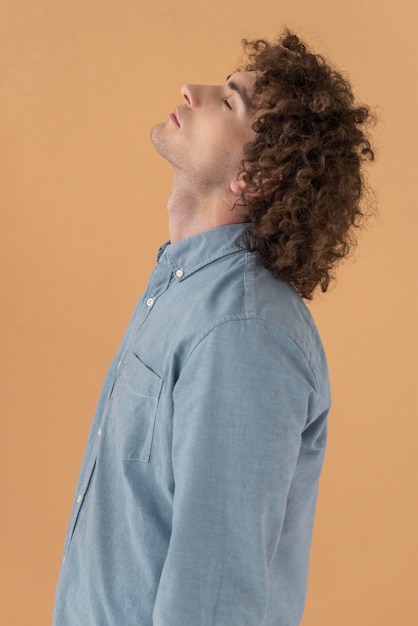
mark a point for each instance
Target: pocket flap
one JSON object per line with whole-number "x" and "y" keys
{"x": 133, "y": 409}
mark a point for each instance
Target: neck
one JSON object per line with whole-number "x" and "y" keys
{"x": 194, "y": 209}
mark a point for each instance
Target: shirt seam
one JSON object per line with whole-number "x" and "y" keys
{"x": 308, "y": 358}
{"x": 243, "y": 317}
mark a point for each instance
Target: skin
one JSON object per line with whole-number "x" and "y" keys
{"x": 203, "y": 139}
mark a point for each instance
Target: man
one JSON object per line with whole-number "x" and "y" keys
{"x": 196, "y": 498}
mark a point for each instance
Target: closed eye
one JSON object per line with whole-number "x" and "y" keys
{"x": 226, "y": 103}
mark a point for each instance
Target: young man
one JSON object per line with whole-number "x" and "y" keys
{"x": 196, "y": 498}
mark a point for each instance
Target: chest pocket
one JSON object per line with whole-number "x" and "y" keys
{"x": 133, "y": 409}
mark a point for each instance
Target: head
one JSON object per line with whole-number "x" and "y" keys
{"x": 302, "y": 179}
{"x": 205, "y": 136}
{"x": 283, "y": 141}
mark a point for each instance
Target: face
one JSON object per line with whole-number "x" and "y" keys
{"x": 204, "y": 137}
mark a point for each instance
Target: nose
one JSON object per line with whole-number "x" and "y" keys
{"x": 189, "y": 93}
{"x": 199, "y": 95}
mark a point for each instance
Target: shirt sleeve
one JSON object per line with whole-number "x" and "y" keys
{"x": 241, "y": 404}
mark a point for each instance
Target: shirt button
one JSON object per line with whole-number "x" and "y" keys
{"x": 150, "y": 301}
{"x": 179, "y": 273}
{"x": 120, "y": 363}
{"x": 99, "y": 433}
{"x": 79, "y": 498}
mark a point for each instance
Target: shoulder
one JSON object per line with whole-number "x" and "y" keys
{"x": 276, "y": 302}
{"x": 243, "y": 301}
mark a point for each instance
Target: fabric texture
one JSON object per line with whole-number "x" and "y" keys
{"x": 196, "y": 497}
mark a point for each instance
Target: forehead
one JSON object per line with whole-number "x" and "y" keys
{"x": 246, "y": 79}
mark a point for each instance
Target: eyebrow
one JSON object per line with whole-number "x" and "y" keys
{"x": 241, "y": 91}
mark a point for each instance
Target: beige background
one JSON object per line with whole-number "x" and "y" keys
{"x": 82, "y": 214}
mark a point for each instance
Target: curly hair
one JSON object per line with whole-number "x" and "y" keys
{"x": 304, "y": 169}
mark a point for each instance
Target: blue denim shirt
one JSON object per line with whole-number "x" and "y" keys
{"x": 196, "y": 497}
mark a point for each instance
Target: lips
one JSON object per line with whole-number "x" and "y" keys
{"x": 174, "y": 117}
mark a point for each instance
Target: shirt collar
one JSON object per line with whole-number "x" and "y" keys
{"x": 190, "y": 254}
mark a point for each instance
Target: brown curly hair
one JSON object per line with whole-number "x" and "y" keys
{"x": 304, "y": 169}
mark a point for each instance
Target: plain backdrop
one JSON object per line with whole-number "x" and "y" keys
{"x": 83, "y": 211}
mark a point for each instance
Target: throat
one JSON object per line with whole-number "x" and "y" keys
{"x": 194, "y": 210}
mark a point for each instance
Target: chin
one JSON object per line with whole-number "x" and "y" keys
{"x": 158, "y": 140}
